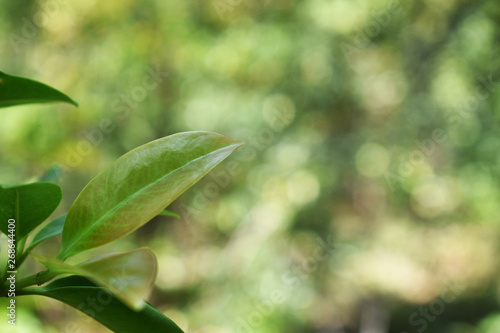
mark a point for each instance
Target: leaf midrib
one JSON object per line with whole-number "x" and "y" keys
{"x": 128, "y": 198}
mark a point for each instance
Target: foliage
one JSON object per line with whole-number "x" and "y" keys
{"x": 342, "y": 105}
{"x": 123, "y": 197}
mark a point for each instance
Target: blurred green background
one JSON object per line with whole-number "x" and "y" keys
{"x": 365, "y": 199}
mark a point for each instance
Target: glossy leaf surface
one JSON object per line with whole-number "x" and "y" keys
{"x": 138, "y": 186}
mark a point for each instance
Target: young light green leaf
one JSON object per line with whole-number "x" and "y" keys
{"x": 53, "y": 228}
{"x": 169, "y": 213}
{"x": 130, "y": 275}
{"x": 109, "y": 311}
{"x": 138, "y": 186}
{"x": 15, "y": 90}
{"x": 28, "y": 204}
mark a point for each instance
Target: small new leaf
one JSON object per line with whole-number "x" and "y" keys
{"x": 130, "y": 276}
{"x": 52, "y": 174}
{"x": 51, "y": 229}
{"x": 169, "y": 213}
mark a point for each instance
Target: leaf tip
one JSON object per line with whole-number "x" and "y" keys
{"x": 72, "y": 101}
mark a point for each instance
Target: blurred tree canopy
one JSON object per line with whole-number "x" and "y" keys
{"x": 365, "y": 197}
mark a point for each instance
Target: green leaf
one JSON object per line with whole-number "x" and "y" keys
{"x": 138, "y": 186}
{"x": 169, "y": 213}
{"x": 16, "y": 90}
{"x": 53, "y": 228}
{"x": 130, "y": 275}
{"x": 28, "y": 204}
{"x": 52, "y": 174}
{"x": 97, "y": 303}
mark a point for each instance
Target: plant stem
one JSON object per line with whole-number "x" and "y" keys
{"x": 35, "y": 279}
{"x": 19, "y": 254}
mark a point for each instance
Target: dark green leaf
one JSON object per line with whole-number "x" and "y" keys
{"x": 16, "y": 90}
{"x": 76, "y": 292}
{"x": 28, "y": 204}
{"x": 138, "y": 186}
{"x": 53, "y": 228}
